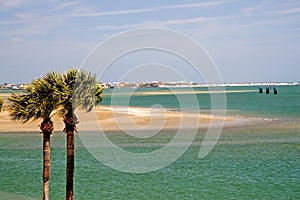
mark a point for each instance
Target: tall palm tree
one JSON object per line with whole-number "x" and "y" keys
{"x": 80, "y": 91}
{"x": 1, "y": 103}
{"x": 39, "y": 100}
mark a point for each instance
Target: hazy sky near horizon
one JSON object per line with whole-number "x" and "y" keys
{"x": 257, "y": 40}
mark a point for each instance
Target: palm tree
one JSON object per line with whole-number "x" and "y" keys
{"x": 39, "y": 100}
{"x": 1, "y": 104}
{"x": 80, "y": 91}
{"x": 75, "y": 89}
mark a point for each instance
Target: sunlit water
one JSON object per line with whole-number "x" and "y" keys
{"x": 249, "y": 162}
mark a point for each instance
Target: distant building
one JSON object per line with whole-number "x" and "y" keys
{"x": 11, "y": 86}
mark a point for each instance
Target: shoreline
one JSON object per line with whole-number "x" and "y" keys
{"x": 123, "y": 118}
{"x": 137, "y": 119}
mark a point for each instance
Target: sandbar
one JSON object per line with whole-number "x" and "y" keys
{"x": 119, "y": 118}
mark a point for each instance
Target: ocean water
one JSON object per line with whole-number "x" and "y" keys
{"x": 249, "y": 162}
{"x": 244, "y": 100}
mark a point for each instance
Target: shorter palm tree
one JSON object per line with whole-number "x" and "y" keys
{"x": 80, "y": 91}
{"x": 39, "y": 100}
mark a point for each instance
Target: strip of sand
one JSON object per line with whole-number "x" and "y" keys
{"x": 120, "y": 118}
{"x": 191, "y": 92}
{"x": 181, "y": 92}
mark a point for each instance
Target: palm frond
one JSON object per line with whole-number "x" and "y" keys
{"x": 87, "y": 92}
{"x": 23, "y": 107}
{"x": 40, "y": 99}
{"x": 54, "y": 92}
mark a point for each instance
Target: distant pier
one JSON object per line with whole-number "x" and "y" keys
{"x": 268, "y": 90}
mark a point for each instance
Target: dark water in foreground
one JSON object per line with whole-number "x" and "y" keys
{"x": 249, "y": 162}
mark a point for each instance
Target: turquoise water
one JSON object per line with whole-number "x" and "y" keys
{"x": 248, "y": 102}
{"x": 249, "y": 162}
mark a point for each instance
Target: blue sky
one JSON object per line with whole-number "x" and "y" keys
{"x": 249, "y": 40}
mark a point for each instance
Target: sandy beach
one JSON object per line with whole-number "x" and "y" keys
{"x": 190, "y": 91}
{"x": 118, "y": 118}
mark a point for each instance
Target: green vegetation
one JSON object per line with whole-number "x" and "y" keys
{"x": 80, "y": 90}
{"x": 56, "y": 93}
{"x": 40, "y": 99}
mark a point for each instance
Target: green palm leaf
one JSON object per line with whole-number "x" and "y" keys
{"x": 39, "y": 100}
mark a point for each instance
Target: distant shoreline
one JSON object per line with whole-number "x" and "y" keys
{"x": 161, "y": 84}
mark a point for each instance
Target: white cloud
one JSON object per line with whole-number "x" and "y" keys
{"x": 119, "y": 12}
{"x": 33, "y": 30}
{"x": 132, "y": 11}
{"x": 273, "y": 7}
{"x": 11, "y": 22}
{"x": 87, "y": 11}
{"x": 269, "y": 22}
{"x": 11, "y": 3}
{"x": 288, "y": 11}
{"x": 35, "y": 27}
{"x": 66, "y": 5}
{"x": 194, "y": 5}
{"x": 24, "y": 15}
{"x": 164, "y": 23}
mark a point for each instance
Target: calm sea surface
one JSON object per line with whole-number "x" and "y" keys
{"x": 249, "y": 162}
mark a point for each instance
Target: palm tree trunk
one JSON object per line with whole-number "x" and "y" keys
{"x": 69, "y": 129}
{"x": 46, "y": 163}
{"x": 70, "y": 165}
{"x": 47, "y": 128}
